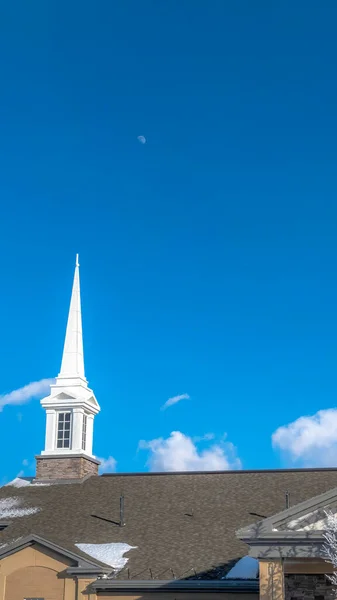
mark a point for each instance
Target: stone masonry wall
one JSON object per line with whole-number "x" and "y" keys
{"x": 67, "y": 467}
{"x": 308, "y": 587}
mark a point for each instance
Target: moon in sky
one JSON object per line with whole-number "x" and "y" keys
{"x": 141, "y": 139}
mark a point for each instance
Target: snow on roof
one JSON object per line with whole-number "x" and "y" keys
{"x": 246, "y": 568}
{"x": 11, "y": 542}
{"x": 111, "y": 554}
{"x": 24, "y": 482}
{"x": 11, "y": 507}
{"x": 18, "y": 482}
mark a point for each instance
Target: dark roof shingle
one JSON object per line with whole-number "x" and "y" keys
{"x": 182, "y": 524}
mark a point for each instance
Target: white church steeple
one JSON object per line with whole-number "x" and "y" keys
{"x": 72, "y": 366}
{"x": 71, "y": 405}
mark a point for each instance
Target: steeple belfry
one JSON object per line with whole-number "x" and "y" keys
{"x": 70, "y": 407}
{"x": 72, "y": 365}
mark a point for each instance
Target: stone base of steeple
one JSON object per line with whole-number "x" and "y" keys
{"x": 71, "y": 466}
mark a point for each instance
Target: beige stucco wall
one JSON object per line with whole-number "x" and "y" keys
{"x": 33, "y": 582}
{"x": 38, "y": 572}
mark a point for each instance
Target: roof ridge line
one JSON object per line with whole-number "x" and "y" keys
{"x": 237, "y": 472}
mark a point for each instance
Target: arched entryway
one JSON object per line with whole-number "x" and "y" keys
{"x": 34, "y": 582}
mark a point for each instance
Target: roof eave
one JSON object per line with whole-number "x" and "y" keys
{"x": 88, "y": 571}
{"x": 235, "y": 586}
{"x": 284, "y": 536}
{"x": 259, "y": 528}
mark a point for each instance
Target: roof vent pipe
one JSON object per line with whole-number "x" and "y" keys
{"x": 121, "y": 511}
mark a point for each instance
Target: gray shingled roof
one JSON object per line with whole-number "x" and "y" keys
{"x": 182, "y": 524}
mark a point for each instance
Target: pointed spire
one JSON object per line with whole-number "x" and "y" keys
{"x": 72, "y": 360}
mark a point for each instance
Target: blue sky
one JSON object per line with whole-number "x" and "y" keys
{"x": 208, "y": 254}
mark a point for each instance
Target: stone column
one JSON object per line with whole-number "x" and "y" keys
{"x": 271, "y": 580}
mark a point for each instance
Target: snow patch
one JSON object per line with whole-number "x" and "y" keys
{"x": 11, "y": 507}
{"x": 246, "y": 568}
{"x": 19, "y": 482}
{"x": 11, "y": 542}
{"x": 111, "y": 554}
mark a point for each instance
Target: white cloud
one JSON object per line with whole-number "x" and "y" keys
{"x": 310, "y": 440}
{"x": 36, "y": 389}
{"x": 179, "y": 453}
{"x": 174, "y": 400}
{"x": 108, "y": 465}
